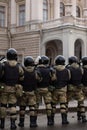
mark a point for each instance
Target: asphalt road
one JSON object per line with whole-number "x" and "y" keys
{"x": 42, "y": 123}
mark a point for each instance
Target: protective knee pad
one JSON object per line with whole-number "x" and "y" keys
{"x": 63, "y": 107}
{"x": 11, "y": 105}
{"x": 22, "y": 110}
{"x": 53, "y": 107}
{"x": 32, "y": 110}
{"x": 48, "y": 109}
{"x": 13, "y": 111}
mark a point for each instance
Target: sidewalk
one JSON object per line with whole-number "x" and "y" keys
{"x": 72, "y": 106}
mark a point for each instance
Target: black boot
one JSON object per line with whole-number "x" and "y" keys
{"x": 50, "y": 120}
{"x": 52, "y": 117}
{"x": 78, "y": 115}
{"x": 33, "y": 121}
{"x": 64, "y": 118}
{"x": 84, "y": 119}
{"x": 13, "y": 125}
{"x": 21, "y": 123}
{"x": 36, "y": 121}
{"x": 2, "y": 123}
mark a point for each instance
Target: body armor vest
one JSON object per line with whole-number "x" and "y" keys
{"x": 45, "y": 74}
{"x": 76, "y": 76}
{"x": 29, "y": 83}
{"x": 1, "y": 69}
{"x": 11, "y": 74}
{"x": 84, "y": 78}
{"x": 62, "y": 78}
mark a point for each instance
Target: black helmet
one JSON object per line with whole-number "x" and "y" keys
{"x": 28, "y": 61}
{"x": 11, "y": 54}
{"x": 60, "y": 60}
{"x": 84, "y": 60}
{"x": 73, "y": 59}
{"x": 44, "y": 60}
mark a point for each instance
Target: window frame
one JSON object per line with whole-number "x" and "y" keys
{"x": 62, "y": 13}
{"x": 21, "y": 13}
{"x": 79, "y": 12}
{"x": 45, "y": 10}
{"x": 5, "y": 6}
{"x": 18, "y": 5}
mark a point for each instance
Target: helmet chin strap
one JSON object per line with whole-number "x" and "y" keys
{"x": 12, "y": 62}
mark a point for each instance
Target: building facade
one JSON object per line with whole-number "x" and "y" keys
{"x": 44, "y": 27}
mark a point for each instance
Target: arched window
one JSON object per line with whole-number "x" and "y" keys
{"x": 77, "y": 11}
{"x": 21, "y": 15}
{"x": 45, "y": 10}
{"x": 2, "y": 16}
{"x": 78, "y": 49}
{"x": 62, "y": 9}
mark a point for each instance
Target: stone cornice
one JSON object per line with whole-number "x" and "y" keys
{"x": 50, "y": 30}
{"x": 19, "y": 0}
{"x": 4, "y": 1}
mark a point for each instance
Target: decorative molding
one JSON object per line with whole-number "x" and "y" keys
{"x": 68, "y": 9}
{"x": 4, "y": 1}
{"x": 85, "y": 12}
{"x": 19, "y": 1}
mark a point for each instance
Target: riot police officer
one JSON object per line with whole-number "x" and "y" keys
{"x": 75, "y": 86}
{"x": 60, "y": 92}
{"x": 43, "y": 86}
{"x": 12, "y": 73}
{"x": 29, "y": 87}
{"x": 84, "y": 77}
{"x": 1, "y": 87}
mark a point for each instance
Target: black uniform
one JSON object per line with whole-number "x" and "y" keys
{"x": 12, "y": 73}
{"x": 29, "y": 87}
{"x": 75, "y": 86}
{"x": 60, "y": 92}
{"x": 43, "y": 86}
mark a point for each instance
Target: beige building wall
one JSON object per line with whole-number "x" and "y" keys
{"x": 27, "y": 44}
{"x": 35, "y": 37}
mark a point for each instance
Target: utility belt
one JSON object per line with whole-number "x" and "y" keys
{"x": 42, "y": 90}
{"x": 62, "y": 89}
{"x": 59, "y": 87}
{"x": 8, "y": 89}
{"x": 31, "y": 93}
{"x": 74, "y": 87}
{"x": 17, "y": 89}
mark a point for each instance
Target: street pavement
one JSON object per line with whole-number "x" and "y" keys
{"x": 42, "y": 123}
{"x": 42, "y": 120}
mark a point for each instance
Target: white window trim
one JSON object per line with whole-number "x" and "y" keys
{"x": 46, "y": 10}
{"x": 18, "y": 4}
{"x": 17, "y": 1}
{"x": 6, "y": 11}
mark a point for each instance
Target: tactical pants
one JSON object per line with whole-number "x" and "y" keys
{"x": 28, "y": 99}
{"x": 43, "y": 92}
{"x": 59, "y": 96}
{"x": 8, "y": 98}
{"x": 84, "y": 89}
{"x": 76, "y": 93}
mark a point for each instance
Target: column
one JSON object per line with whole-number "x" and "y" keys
{"x": 74, "y": 8}
{"x": 56, "y": 9}
{"x": 85, "y": 3}
{"x": 13, "y": 16}
{"x": 27, "y": 10}
{"x": 13, "y": 12}
{"x": 68, "y": 43}
{"x": 68, "y": 8}
{"x": 37, "y": 10}
{"x": 85, "y": 9}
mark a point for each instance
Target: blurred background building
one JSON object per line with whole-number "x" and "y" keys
{"x": 44, "y": 27}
